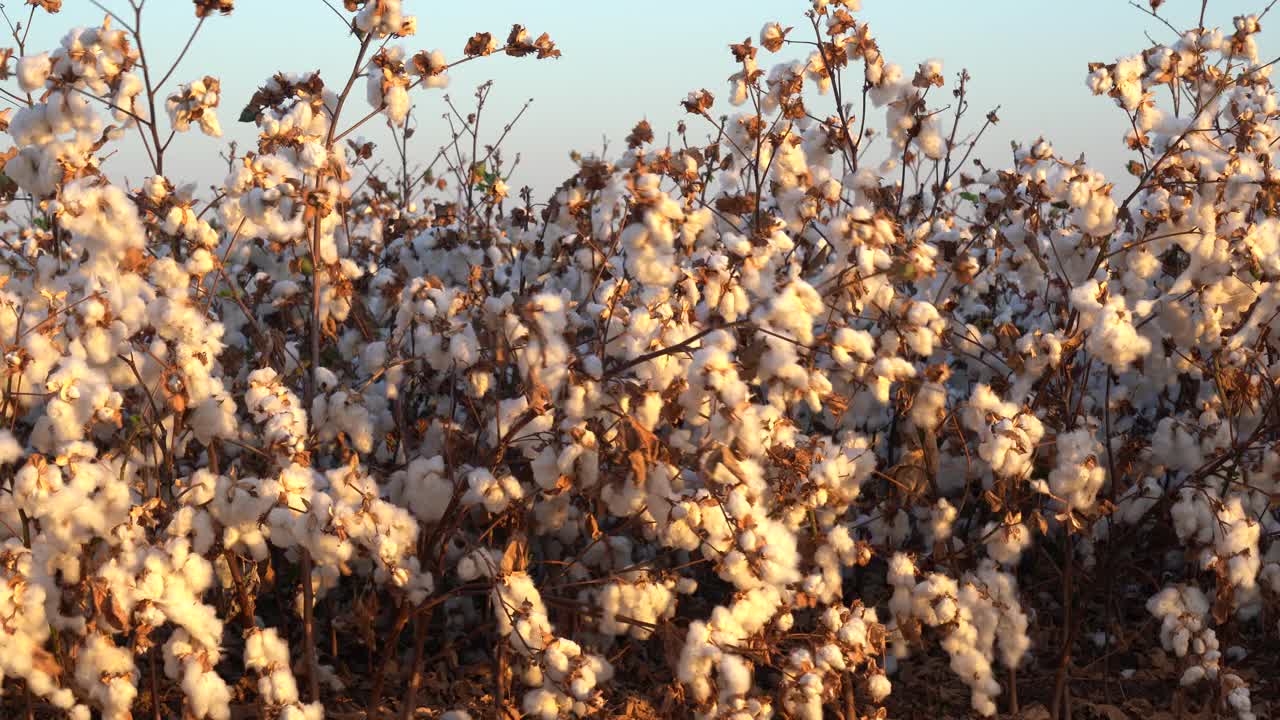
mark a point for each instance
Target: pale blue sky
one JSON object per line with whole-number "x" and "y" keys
{"x": 624, "y": 61}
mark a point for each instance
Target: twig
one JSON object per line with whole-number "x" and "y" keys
{"x": 182, "y": 54}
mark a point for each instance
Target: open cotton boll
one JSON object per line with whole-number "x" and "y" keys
{"x": 1006, "y": 542}
{"x": 942, "y": 518}
{"x": 979, "y": 614}
{"x": 396, "y": 100}
{"x": 1223, "y": 535}
{"x": 1238, "y": 698}
{"x": 425, "y": 488}
{"x": 734, "y": 676}
{"x": 388, "y": 83}
{"x": 929, "y": 406}
{"x": 646, "y": 601}
{"x": 1112, "y": 334}
{"x": 267, "y": 654}
{"x": 1236, "y": 544}
{"x": 430, "y": 67}
{"x": 385, "y": 17}
{"x": 33, "y": 71}
{"x": 10, "y": 450}
{"x": 196, "y": 102}
{"x": 930, "y": 139}
{"x": 278, "y": 409}
{"x": 1078, "y": 475}
{"x": 1008, "y": 435}
{"x": 879, "y": 687}
{"x": 102, "y": 218}
{"x": 493, "y": 493}
{"x": 107, "y": 674}
{"x": 541, "y": 703}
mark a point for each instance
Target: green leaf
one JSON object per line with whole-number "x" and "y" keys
{"x": 971, "y": 197}
{"x": 485, "y": 177}
{"x": 305, "y": 266}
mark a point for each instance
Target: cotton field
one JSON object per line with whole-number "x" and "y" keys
{"x": 809, "y": 412}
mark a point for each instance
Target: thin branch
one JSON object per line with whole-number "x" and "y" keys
{"x": 182, "y": 54}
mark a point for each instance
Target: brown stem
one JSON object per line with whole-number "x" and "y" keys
{"x": 308, "y": 628}
{"x": 1013, "y": 691}
{"x": 850, "y": 700}
{"x": 1060, "y": 698}
{"x": 420, "y": 623}
{"x": 155, "y": 685}
{"x": 158, "y": 160}
{"x": 237, "y": 578}
{"x": 246, "y": 606}
{"x": 311, "y": 388}
{"x": 380, "y": 672}
{"x": 685, "y": 344}
{"x": 26, "y": 541}
{"x": 500, "y": 670}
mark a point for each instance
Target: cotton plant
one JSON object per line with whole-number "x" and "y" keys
{"x": 1183, "y": 612}
{"x": 563, "y": 677}
{"x": 975, "y": 612}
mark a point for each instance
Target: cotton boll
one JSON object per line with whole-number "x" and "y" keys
{"x": 734, "y": 676}
{"x": 1079, "y": 475}
{"x": 541, "y": 703}
{"x": 1006, "y": 542}
{"x": 772, "y": 36}
{"x": 646, "y": 601}
{"x": 1112, "y": 336}
{"x": 385, "y": 18}
{"x": 397, "y": 102}
{"x": 932, "y": 144}
{"x": 430, "y": 66}
{"x": 426, "y": 489}
{"x": 879, "y": 687}
{"x": 1008, "y": 436}
{"x": 10, "y": 450}
{"x": 33, "y": 71}
{"x": 494, "y": 493}
{"x": 101, "y": 659}
{"x": 196, "y": 101}
{"x": 1223, "y": 532}
{"x": 103, "y": 218}
{"x": 942, "y": 516}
